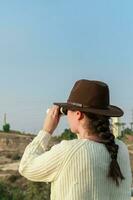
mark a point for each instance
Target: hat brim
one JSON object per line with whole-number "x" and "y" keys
{"x": 111, "y": 111}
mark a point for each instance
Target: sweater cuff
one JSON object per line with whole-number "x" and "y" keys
{"x": 45, "y": 137}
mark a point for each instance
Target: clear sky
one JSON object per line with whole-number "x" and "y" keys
{"x": 45, "y": 46}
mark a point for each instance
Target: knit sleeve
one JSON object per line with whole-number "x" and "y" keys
{"x": 38, "y": 164}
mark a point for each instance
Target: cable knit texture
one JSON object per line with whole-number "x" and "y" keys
{"x": 77, "y": 169}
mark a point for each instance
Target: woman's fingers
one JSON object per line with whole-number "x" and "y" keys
{"x": 52, "y": 119}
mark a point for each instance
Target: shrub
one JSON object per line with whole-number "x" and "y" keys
{"x": 8, "y": 192}
{"x": 13, "y": 178}
{"x": 38, "y": 191}
{"x": 6, "y": 127}
{"x": 68, "y": 135}
{"x": 5, "y": 193}
{"x": 16, "y": 156}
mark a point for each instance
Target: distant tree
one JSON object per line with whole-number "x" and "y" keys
{"x": 6, "y": 127}
{"x": 128, "y": 131}
{"x": 67, "y": 135}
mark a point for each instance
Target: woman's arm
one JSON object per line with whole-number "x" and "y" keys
{"x": 38, "y": 164}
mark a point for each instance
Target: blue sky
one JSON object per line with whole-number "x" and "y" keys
{"x": 45, "y": 46}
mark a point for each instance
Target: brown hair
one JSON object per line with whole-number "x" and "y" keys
{"x": 101, "y": 126}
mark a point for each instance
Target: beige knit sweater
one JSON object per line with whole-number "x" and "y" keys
{"x": 77, "y": 169}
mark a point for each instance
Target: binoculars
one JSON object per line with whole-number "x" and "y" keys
{"x": 62, "y": 111}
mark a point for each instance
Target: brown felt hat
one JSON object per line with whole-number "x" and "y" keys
{"x": 91, "y": 96}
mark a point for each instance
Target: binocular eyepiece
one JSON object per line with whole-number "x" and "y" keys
{"x": 62, "y": 111}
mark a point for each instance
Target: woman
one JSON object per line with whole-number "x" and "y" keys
{"x": 93, "y": 167}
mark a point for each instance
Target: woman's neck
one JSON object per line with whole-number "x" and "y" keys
{"x": 86, "y": 134}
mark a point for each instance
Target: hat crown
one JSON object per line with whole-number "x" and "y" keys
{"x": 89, "y": 93}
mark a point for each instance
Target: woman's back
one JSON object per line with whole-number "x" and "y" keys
{"x": 84, "y": 173}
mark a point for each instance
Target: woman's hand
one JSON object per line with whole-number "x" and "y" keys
{"x": 52, "y": 119}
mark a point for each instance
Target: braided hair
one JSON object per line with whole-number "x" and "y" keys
{"x": 100, "y": 125}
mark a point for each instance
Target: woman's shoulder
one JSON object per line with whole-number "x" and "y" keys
{"x": 69, "y": 144}
{"x": 122, "y": 146}
{"x": 120, "y": 142}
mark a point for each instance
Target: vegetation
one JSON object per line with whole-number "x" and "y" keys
{"x": 6, "y": 127}
{"x": 9, "y": 192}
{"x": 13, "y": 178}
{"x": 16, "y": 156}
{"x": 128, "y": 131}
{"x": 67, "y": 135}
{"x": 36, "y": 191}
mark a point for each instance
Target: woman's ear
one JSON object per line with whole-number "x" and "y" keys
{"x": 79, "y": 115}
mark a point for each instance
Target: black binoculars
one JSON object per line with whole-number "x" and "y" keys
{"x": 63, "y": 111}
